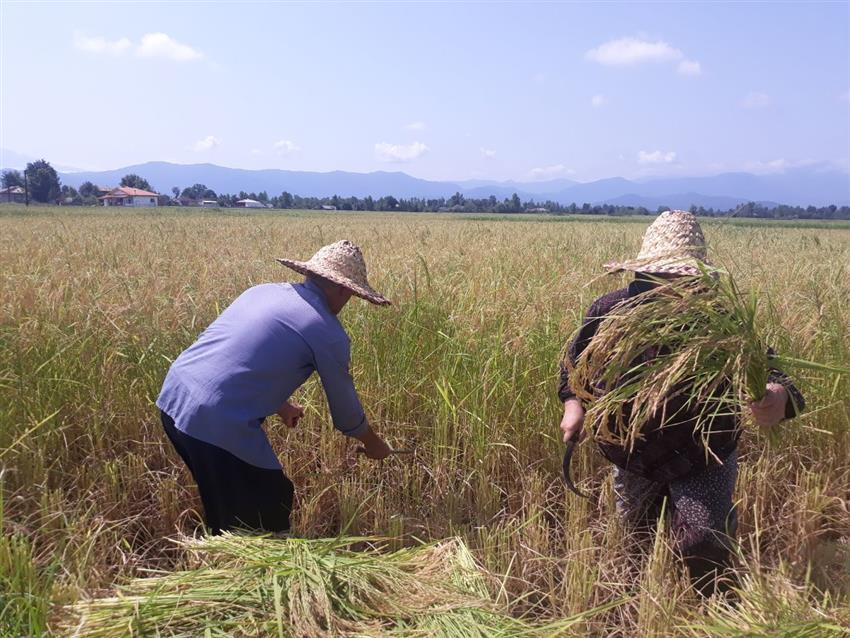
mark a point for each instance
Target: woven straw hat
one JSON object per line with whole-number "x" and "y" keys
{"x": 673, "y": 244}
{"x": 342, "y": 263}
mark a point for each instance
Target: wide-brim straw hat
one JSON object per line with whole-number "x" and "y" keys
{"x": 342, "y": 263}
{"x": 673, "y": 244}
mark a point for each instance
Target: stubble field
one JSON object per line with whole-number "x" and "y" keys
{"x": 462, "y": 368}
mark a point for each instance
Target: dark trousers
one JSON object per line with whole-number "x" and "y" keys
{"x": 235, "y": 494}
{"x": 704, "y": 520}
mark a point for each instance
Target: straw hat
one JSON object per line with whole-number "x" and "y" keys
{"x": 342, "y": 263}
{"x": 673, "y": 244}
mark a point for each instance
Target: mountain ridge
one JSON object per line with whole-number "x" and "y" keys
{"x": 803, "y": 186}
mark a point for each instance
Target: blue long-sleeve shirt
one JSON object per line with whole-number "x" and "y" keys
{"x": 250, "y": 360}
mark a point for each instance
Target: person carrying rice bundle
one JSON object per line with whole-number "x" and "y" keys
{"x": 245, "y": 366}
{"x": 665, "y": 373}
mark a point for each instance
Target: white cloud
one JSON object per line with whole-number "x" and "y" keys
{"x": 400, "y": 152}
{"x": 549, "y": 172}
{"x": 415, "y": 126}
{"x": 630, "y": 52}
{"x": 633, "y": 51}
{"x": 256, "y": 151}
{"x": 152, "y": 45}
{"x": 161, "y": 45}
{"x": 689, "y": 67}
{"x": 206, "y": 144}
{"x": 598, "y": 100}
{"x": 488, "y": 152}
{"x": 845, "y": 97}
{"x": 656, "y": 157}
{"x": 779, "y": 165}
{"x": 755, "y": 100}
{"x": 286, "y": 147}
{"x": 98, "y": 44}
{"x": 539, "y": 78}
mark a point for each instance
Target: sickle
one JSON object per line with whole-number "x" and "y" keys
{"x": 568, "y": 457}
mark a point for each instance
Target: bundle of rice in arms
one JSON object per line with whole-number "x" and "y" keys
{"x": 687, "y": 350}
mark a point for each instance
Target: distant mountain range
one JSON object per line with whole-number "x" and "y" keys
{"x": 817, "y": 185}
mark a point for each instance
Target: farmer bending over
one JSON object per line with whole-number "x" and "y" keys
{"x": 669, "y": 459}
{"x": 244, "y": 367}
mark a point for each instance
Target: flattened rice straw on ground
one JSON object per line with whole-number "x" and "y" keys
{"x": 259, "y": 586}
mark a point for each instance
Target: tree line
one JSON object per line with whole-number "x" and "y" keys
{"x": 44, "y": 186}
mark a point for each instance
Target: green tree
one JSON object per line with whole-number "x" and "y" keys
{"x": 515, "y": 204}
{"x": 132, "y": 180}
{"x": 12, "y": 178}
{"x": 88, "y": 193}
{"x": 199, "y": 191}
{"x": 44, "y": 184}
{"x": 69, "y": 195}
{"x": 456, "y": 200}
{"x": 87, "y": 189}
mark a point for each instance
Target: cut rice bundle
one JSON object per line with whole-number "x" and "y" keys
{"x": 693, "y": 339}
{"x": 260, "y": 586}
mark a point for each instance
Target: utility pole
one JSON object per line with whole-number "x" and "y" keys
{"x": 26, "y": 189}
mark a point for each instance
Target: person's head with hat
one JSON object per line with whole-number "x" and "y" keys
{"x": 670, "y": 459}
{"x": 673, "y": 244}
{"x": 340, "y": 271}
{"x": 245, "y": 367}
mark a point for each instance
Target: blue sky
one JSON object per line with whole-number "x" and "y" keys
{"x": 439, "y": 90}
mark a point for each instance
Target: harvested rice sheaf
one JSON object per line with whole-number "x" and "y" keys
{"x": 693, "y": 339}
{"x": 260, "y": 586}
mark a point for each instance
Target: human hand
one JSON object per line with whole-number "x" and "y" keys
{"x": 572, "y": 423}
{"x": 374, "y": 447}
{"x": 377, "y": 451}
{"x": 770, "y": 410}
{"x": 290, "y": 414}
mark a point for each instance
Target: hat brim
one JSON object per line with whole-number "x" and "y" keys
{"x": 670, "y": 266}
{"x": 364, "y": 291}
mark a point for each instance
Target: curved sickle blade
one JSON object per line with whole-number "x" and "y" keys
{"x": 568, "y": 458}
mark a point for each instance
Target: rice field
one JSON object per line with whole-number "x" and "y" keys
{"x": 462, "y": 368}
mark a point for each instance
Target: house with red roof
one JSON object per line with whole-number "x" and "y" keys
{"x": 127, "y": 196}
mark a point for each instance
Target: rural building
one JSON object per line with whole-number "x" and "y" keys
{"x": 13, "y": 195}
{"x": 249, "y": 203}
{"x": 328, "y": 207}
{"x": 126, "y": 196}
{"x": 208, "y": 203}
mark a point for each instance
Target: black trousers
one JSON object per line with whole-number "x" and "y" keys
{"x": 235, "y": 494}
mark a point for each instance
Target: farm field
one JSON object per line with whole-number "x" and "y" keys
{"x": 462, "y": 368}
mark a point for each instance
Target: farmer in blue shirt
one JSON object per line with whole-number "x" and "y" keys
{"x": 245, "y": 366}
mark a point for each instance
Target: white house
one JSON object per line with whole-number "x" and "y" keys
{"x": 249, "y": 203}
{"x": 208, "y": 203}
{"x": 126, "y": 196}
{"x": 13, "y": 194}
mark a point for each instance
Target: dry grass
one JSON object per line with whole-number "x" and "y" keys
{"x": 463, "y": 367}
